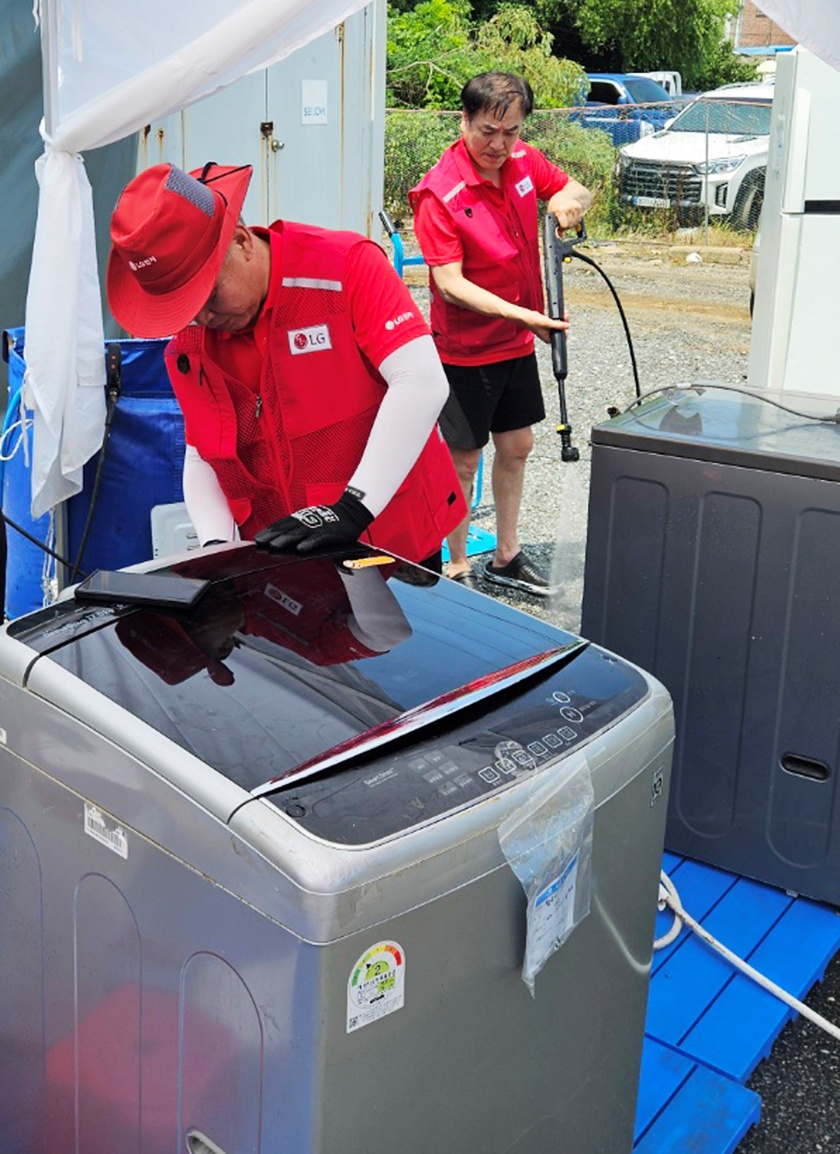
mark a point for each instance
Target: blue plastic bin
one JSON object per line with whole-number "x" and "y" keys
{"x": 143, "y": 468}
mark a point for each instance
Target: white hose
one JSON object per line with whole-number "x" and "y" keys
{"x": 668, "y": 896}
{"x": 22, "y": 426}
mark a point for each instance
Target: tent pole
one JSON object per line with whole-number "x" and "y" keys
{"x": 49, "y": 63}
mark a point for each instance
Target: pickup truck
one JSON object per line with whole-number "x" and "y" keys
{"x": 670, "y": 81}
{"x": 710, "y": 161}
{"x": 624, "y": 105}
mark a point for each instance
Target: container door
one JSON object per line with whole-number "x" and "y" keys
{"x": 312, "y": 126}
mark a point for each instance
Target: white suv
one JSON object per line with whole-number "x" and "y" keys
{"x": 713, "y": 155}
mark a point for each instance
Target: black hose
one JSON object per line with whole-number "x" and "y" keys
{"x": 113, "y": 386}
{"x": 34, "y": 540}
{"x": 598, "y": 269}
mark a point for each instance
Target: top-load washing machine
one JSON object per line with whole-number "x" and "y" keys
{"x": 711, "y": 559}
{"x": 275, "y": 863}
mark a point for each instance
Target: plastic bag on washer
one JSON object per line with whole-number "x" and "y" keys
{"x": 547, "y": 842}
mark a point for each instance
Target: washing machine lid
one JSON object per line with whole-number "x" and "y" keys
{"x": 289, "y": 664}
{"x": 770, "y": 430}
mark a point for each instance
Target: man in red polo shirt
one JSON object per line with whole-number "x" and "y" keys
{"x": 475, "y": 217}
{"x": 308, "y": 380}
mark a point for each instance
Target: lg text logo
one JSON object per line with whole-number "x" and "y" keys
{"x": 401, "y": 319}
{"x": 315, "y": 339}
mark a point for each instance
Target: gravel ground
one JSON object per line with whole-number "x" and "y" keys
{"x": 689, "y": 320}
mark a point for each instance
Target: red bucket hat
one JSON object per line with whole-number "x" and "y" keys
{"x": 170, "y": 232}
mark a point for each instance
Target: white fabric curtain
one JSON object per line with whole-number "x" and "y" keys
{"x": 815, "y": 24}
{"x": 110, "y": 68}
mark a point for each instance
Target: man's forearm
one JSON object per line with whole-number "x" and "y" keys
{"x": 456, "y": 289}
{"x": 417, "y": 391}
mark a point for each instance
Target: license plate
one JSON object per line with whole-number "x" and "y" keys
{"x": 650, "y": 202}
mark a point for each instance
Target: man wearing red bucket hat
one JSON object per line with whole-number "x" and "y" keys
{"x": 308, "y": 380}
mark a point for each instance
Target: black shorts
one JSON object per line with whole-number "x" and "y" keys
{"x": 485, "y": 399}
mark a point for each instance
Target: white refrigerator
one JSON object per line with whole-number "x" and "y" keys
{"x": 797, "y": 301}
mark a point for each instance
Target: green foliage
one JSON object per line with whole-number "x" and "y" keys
{"x": 434, "y": 49}
{"x": 644, "y": 35}
{"x": 430, "y": 56}
{"x": 649, "y": 34}
{"x": 722, "y": 66}
{"x": 515, "y": 42}
{"x": 586, "y": 154}
{"x": 434, "y": 46}
{"x": 414, "y": 141}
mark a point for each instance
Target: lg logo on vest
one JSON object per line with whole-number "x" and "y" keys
{"x": 312, "y": 340}
{"x": 401, "y": 319}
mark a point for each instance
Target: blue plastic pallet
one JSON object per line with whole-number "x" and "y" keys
{"x": 683, "y": 1106}
{"x": 708, "y": 1026}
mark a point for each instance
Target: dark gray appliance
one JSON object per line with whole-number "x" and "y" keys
{"x": 712, "y": 559}
{"x": 251, "y": 854}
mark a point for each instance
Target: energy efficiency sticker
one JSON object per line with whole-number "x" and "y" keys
{"x": 376, "y": 986}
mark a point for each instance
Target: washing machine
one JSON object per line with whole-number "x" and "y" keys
{"x": 317, "y": 856}
{"x": 714, "y": 533}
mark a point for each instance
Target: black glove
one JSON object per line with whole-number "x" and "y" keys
{"x": 317, "y": 527}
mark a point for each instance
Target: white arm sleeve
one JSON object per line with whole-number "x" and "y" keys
{"x": 205, "y": 501}
{"x": 417, "y": 391}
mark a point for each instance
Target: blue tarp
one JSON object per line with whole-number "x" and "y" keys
{"x": 143, "y": 468}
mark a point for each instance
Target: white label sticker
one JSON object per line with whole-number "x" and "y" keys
{"x": 313, "y": 102}
{"x": 554, "y": 910}
{"x": 312, "y": 340}
{"x": 524, "y": 186}
{"x": 105, "y": 831}
{"x": 376, "y": 986}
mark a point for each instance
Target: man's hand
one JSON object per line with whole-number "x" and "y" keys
{"x": 541, "y": 326}
{"x": 317, "y": 527}
{"x": 570, "y": 204}
{"x": 569, "y": 216}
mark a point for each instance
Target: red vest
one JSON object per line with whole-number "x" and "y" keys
{"x": 297, "y": 440}
{"x": 500, "y": 255}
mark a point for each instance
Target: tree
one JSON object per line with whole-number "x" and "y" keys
{"x": 429, "y": 54}
{"x": 435, "y": 47}
{"x": 645, "y": 35}
{"x": 515, "y": 42}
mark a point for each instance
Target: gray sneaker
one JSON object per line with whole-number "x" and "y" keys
{"x": 520, "y": 573}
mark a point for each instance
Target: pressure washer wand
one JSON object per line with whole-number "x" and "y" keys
{"x": 557, "y": 250}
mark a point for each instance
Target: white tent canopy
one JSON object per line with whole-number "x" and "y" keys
{"x": 815, "y": 24}
{"x": 110, "y": 68}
